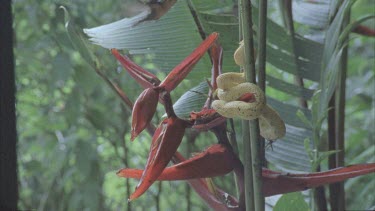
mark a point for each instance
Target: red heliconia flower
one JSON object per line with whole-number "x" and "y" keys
{"x": 273, "y": 182}
{"x": 165, "y": 142}
{"x": 145, "y": 106}
{"x": 216, "y": 160}
{"x": 143, "y": 111}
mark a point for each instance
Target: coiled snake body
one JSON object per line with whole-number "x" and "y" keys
{"x": 231, "y": 86}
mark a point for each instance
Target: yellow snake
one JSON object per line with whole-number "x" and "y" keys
{"x": 231, "y": 86}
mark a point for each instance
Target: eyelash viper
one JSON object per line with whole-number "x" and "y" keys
{"x": 231, "y": 86}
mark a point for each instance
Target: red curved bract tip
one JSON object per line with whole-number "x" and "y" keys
{"x": 364, "y": 30}
{"x": 142, "y": 76}
{"x": 278, "y": 183}
{"x": 182, "y": 70}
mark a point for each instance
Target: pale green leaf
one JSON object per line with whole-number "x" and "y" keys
{"x": 291, "y": 201}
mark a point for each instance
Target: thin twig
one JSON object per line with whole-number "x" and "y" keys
{"x": 196, "y": 20}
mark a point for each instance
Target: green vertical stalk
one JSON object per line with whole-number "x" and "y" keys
{"x": 249, "y": 198}
{"x": 252, "y": 159}
{"x": 249, "y": 194}
{"x": 247, "y": 34}
{"x": 257, "y": 146}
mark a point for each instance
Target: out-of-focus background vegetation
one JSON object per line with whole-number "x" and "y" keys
{"x": 74, "y": 132}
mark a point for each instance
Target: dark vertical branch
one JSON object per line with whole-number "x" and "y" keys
{"x": 262, "y": 40}
{"x": 333, "y": 191}
{"x": 191, "y": 136}
{"x": 157, "y": 196}
{"x": 287, "y": 14}
{"x": 337, "y": 121}
{"x": 337, "y": 191}
{"x": 8, "y": 134}
{"x": 194, "y": 13}
{"x": 126, "y": 156}
{"x": 262, "y": 55}
{"x": 127, "y": 182}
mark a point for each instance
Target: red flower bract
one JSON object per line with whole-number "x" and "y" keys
{"x": 273, "y": 182}
{"x": 143, "y": 111}
{"x": 217, "y": 160}
{"x": 183, "y": 69}
{"x": 165, "y": 142}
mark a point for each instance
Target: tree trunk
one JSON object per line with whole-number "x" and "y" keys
{"x": 8, "y": 137}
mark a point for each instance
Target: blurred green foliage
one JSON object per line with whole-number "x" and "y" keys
{"x": 74, "y": 131}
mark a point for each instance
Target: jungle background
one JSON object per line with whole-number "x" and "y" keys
{"x": 74, "y": 131}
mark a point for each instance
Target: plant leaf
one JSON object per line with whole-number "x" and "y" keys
{"x": 291, "y": 201}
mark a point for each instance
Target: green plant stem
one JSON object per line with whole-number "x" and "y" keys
{"x": 252, "y": 159}
{"x": 257, "y": 143}
{"x": 249, "y": 194}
